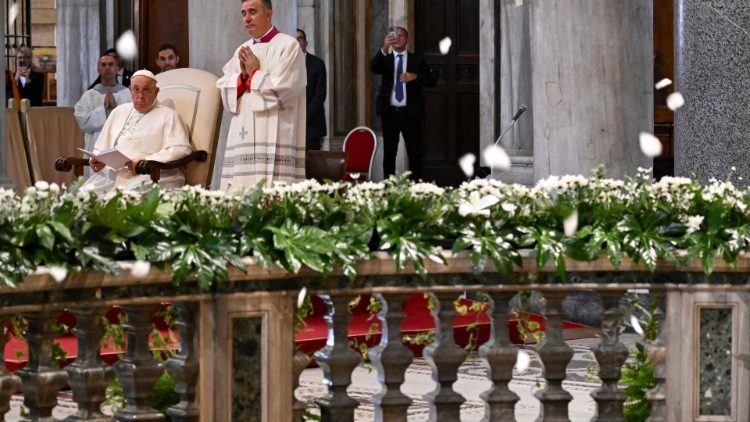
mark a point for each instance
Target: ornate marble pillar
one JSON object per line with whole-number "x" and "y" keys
{"x": 79, "y": 38}
{"x": 307, "y": 22}
{"x": 711, "y": 73}
{"x": 592, "y": 78}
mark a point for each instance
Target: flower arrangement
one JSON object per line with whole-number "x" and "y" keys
{"x": 202, "y": 233}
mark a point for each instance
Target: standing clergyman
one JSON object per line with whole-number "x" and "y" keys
{"x": 264, "y": 88}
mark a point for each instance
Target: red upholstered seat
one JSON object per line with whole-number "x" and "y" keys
{"x": 361, "y": 144}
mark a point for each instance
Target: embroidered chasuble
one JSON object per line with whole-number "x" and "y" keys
{"x": 158, "y": 134}
{"x": 266, "y": 137}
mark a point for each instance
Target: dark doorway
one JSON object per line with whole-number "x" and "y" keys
{"x": 451, "y": 126}
{"x": 160, "y": 22}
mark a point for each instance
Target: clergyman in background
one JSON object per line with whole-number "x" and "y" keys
{"x": 316, "y": 95}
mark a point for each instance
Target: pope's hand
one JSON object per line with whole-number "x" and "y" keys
{"x": 96, "y": 165}
{"x": 131, "y": 166}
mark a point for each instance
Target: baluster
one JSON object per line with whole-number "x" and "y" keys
{"x": 89, "y": 376}
{"x": 555, "y": 356}
{"x": 9, "y": 383}
{"x": 657, "y": 354}
{"x": 500, "y": 355}
{"x": 299, "y": 362}
{"x": 391, "y": 358}
{"x": 184, "y": 366}
{"x": 611, "y": 354}
{"x": 41, "y": 378}
{"x": 137, "y": 370}
{"x": 337, "y": 360}
{"x": 444, "y": 357}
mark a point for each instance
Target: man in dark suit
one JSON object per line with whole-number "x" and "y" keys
{"x": 316, "y": 95}
{"x": 400, "y": 102}
{"x": 25, "y": 83}
{"x": 123, "y": 75}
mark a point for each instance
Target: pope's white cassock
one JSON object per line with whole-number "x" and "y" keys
{"x": 91, "y": 114}
{"x": 158, "y": 134}
{"x": 266, "y": 137}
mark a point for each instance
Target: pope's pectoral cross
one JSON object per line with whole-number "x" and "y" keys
{"x": 243, "y": 132}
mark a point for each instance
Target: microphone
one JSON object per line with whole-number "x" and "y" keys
{"x": 513, "y": 121}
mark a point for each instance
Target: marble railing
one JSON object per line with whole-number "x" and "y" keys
{"x": 237, "y": 359}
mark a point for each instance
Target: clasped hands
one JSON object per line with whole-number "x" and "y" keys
{"x": 97, "y": 165}
{"x": 109, "y": 99}
{"x": 249, "y": 62}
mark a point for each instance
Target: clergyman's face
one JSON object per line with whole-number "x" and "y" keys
{"x": 167, "y": 60}
{"x": 143, "y": 90}
{"x": 256, "y": 17}
{"x": 107, "y": 68}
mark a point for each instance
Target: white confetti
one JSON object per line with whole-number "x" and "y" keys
{"x": 466, "y": 162}
{"x": 58, "y": 273}
{"x": 636, "y": 325}
{"x": 496, "y": 157}
{"x": 522, "y": 362}
{"x": 445, "y": 45}
{"x": 675, "y": 101}
{"x": 127, "y": 46}
{"x": 650, "y": 145}
{"x": 570, "y": 224}
{"x": 519, "y": 3}
{"x": 663, "y": 83}
{"x": 301, "y": 297}
{"x": 12, "y": 14}
{"x": 140, "y": 269}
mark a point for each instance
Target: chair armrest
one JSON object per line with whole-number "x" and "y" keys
{"x": 66, "y": 164}
{"x": 154, "y": 168}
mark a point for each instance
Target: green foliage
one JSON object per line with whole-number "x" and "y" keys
{"x": 637, "y": 374}
{"x": 203, "y": 234}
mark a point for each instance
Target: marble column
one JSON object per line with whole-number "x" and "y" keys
{"x": 592, "y": 79}
{"x": 79, "y": 36}
{"x": 307, "y": 22}
{"x": 711, "y": 73}
{"x": 285, "y": 16}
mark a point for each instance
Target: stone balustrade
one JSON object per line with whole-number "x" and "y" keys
{"x": 237, "y": 359}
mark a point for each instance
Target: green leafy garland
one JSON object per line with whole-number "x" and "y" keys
{"x": 203, "y": 233}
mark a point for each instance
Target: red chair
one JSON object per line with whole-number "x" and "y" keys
{"x": 361, "y": 144}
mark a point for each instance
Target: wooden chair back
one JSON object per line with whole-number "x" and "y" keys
{"x": 52, "y": 132}
{"x": 16, "y": 155}
{"x": 326, "y": 165}
{"x": 193, "y": 94}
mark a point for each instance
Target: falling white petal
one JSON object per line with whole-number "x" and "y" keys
{"x": 487, "y": 201}
{"x": 301, "y": 297}
{"x": 570, "y": 224}
{"x": 466, "y": 162}
{"x": 675, "y": 101}
{"x": 650, "y": 145}
{"x": 522, "y": 361}
{"x": 127, "y": 47}
{"x": 58, "y": 273}
{"x": 496, "y": 157}
{"x": 636, "y": 325}
{"x": 445, "y": 45}
{"x": 663, "y": 83}
{"x": 519, "y": 3}
{"x": 140, "y": 269}
{"x": 12, "y": 14}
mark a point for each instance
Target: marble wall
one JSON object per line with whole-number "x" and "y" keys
{"x": 592, "y": 80}
{"x": 711, "y": 68}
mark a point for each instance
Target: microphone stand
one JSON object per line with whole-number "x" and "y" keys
{"x": 513, "y": 121}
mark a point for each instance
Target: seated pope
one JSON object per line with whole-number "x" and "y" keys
{"x": 142, "y": 130}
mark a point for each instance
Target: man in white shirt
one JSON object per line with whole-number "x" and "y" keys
{"x": 142, "y": 130}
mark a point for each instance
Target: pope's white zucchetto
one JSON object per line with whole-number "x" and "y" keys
{"x": 144, "y": 72}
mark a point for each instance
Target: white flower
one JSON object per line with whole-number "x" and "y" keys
{"x": 663, "y": 83}
{"x": 496, "y": 157}
{"x": 694, "y": 223}
{"x": 508, "y": 207}
{"x": 523, "y": 359}
{"x": 570, "y": 224}
{"x": 636, "y": 325}
{"x": 445, "y": 45}
{"x": 58, "y": 273}
{"x": 127, "y": 47}
{"x": 42, "y": 185}
{"x": 466, "y": 162}
{"x": 477, "y": 205}
{"x": 301, "y": 297}
{"x": 140, "y": 269}
{"x": 426, "y": 189}
{"x": 650, "y": 145}
{"x": 675, "y": 101}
